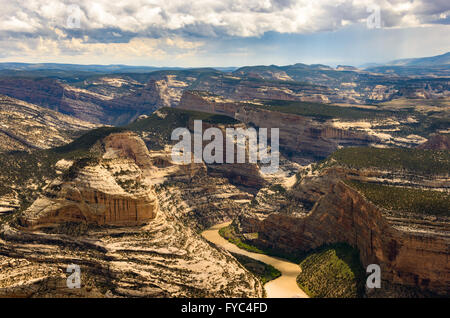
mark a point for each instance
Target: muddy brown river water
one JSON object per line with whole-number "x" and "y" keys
{"x": 284, "y": 286}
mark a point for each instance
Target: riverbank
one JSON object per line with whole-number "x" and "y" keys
{"x": 282, "y": 287}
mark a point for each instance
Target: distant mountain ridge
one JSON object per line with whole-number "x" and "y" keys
{"x": 442, "y": 59}
{"x": 94, "y": 68}
{"x": 118, "y": 94}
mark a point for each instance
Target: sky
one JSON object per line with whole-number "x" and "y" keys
{"x": 201, "y": 33}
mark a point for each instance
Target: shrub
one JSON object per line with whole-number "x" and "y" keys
{"x": 332, "y": 271}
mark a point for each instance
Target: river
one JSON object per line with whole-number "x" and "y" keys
{"x": 284, "y": 286}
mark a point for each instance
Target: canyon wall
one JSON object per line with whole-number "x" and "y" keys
{"x": 298, "y": 134}
{"x": 410, "y": 256}
{"x": 153, "y": 249}
{"x": 111, "y": 191}
{"x": 89, "y": 105}
{"x": 73, "y": 204}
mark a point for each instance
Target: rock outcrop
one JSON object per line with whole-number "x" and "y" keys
{"x": 360, "y": 86}
{"x": 24, "y": 126}
{"x": 128, "y": 218}
{"x": 163, "y": 258}
{"x": 108, "y": 191}
{"x": 302, "y": 134}
{"x": 102, "y": 108}
{"x": 436, "y": 142}
{"x": 298, "y": 134}
{"x": 410, "y": 252}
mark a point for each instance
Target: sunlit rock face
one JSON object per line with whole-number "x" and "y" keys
{"x": 129, "y": 219}
{"x": 25, "y": 126}
{"x": 297, "y": 133}
{"x": 102, "y": 106}
{"x": 410, "y": 251}
{"x": 110, "y": 191}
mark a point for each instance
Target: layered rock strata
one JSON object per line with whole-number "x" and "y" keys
{"x": 87, "y": 217}
{"x": 100, "y": 193}
{"x": 298, "y": 134}
{"x": 410, "y": 252}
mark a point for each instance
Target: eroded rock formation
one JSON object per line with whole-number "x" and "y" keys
{"x": 437, "y": 142}
{"x": 88, "y": 217}
{"x": 298, "y": 134}
{"x": 109, "y": 191}
{"x": 412, "y": 252}
{"x": 24, "y": 126}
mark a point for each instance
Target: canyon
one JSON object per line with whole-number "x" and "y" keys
{"x": 125, "y": 237}
{"x": 341, "y": 213}
{"x": 298, "y": 134}
{"x": 25, "y": 126}
{"x": 363, "y": 161}
{"x": 119, "y": 98}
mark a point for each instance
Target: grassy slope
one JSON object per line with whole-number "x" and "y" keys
{"x": 427, "y": 123}
{"x": 405, "y": 199}
{"x": 159, "y": 129}
{"x": 332, "y": 271}
{"x": 423, "y": 162}
{"x": 415, "y": 162}
{"x": 263, "y": 271}
{"x": 229, "y": 234}
{"x": 325, "y": 111}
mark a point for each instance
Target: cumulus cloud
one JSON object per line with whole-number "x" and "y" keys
{"x": 135, "y": 50}
{"x": 66, "y": 26}
{"x": 232, "y": 17}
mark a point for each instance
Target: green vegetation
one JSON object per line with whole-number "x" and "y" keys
{"x": 432, "y": 115}
{"x": 158, "y": 128}
{"x": 426, "y": 122}
{"x": 426, "y": 125}
{"x": 405, "y": 199}
{"x": 23, "y": 173}
{"x": 332, "y": 271}
{"x": 325, "y": 111}
{"x": 78, "y": 165}
{"x": 263, "y": 271}
{"x": 229, "y": 234}
{"x": 86, "y": 141}
{"x": 71, "y": 228}
{"x": 418, "y": 161}
{"x": 278, "y": 188}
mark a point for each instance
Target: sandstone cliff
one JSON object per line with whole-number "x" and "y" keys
{"x": 97, "y": 106}
{"x": 411, "y": 252}
{"x": 24, "y": 126}
{"x": 298, "y": 134}
{"x": 101, "y": 192}
{"x": 128, "y": 218}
